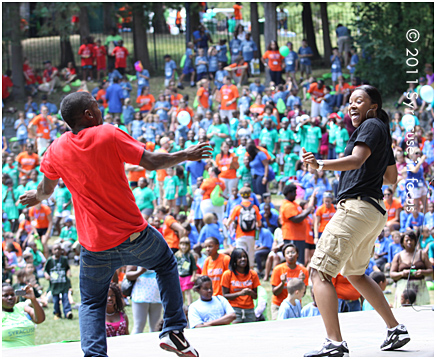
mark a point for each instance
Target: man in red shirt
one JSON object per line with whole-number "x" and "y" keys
{"x": 120, "y": 53}
{"x": 86, "y": 52}
{"x": 29, "y": 75}
{"x": 50, "y": 78}
{"x": 111, "y": 229}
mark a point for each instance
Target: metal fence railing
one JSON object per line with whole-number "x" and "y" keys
{"x": 39, "y": 49}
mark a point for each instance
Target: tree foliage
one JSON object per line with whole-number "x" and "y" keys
{"x": 382, "y": 29}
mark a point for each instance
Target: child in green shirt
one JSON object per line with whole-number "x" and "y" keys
{"x": 171, "y": 188}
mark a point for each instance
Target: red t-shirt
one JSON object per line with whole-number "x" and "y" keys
{"x": 6, "y": 82}
{"x": 86, "y": 53}
{"x": 48, "y": 74}
{"x": 120, "y": 54}
{"x": 91, "y": 163}
{"x": 29, "y": 72}
{"x": 100, "y": 57}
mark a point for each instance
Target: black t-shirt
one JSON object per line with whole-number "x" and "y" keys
{"x": 368, "y": 179}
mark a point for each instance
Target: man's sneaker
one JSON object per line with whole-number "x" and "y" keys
{"x": 330, "y": 350}
{"x": 397, "y": 337}
{"x": 175, "y": 342}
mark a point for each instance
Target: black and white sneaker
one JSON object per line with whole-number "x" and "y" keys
{"x": 397, "y": 337}
{"x": 175, "y": 342}
{"x": 330, "y": 350}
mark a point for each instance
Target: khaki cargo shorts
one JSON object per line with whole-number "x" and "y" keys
{"x": 347, "y": 243}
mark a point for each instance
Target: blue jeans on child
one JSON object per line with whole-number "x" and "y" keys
{"x": 65, "y": 304}
{"x": 148, "y": 250}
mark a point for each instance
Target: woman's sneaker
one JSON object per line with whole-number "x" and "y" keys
{"x": 175, "y": 342}
{"x": 330, "y": 350}
{"x": 397, "y": 337}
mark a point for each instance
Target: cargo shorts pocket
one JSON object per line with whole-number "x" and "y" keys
{"x": 322, "y": 262}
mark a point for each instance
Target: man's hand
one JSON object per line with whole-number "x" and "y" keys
{"x": 199, "y": 151}
{"x": 29, "y": 198}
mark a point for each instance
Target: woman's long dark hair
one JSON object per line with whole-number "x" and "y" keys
{"x": 375, "y": 97}
{"x": 252, "y": 150}
{"x": 236, "y": 254}
{"x": 119, "y": 302}
{"x": 270, "y": 48}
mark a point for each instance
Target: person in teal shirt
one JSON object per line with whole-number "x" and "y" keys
{"x": 145, "y": 198}
{"x": 341, "y": 138}
{"x": 268, "y": 115}
{"x": 20, "y": 190}
{"x": 332, "y": 129}
{"x": 217, "y": 133}
{"x": 244, "y": 173}
{"x": 310, "y": 136}
{"x": 33, "y": 182}
{"x": 11, "y": 168}
{"x": 240, "y": 151}
{"x": 181, "y": 202}
{"x": 8, "y": 203}
{"x": 269, "y": 136}
{"x": 171, "y": 188}
{"x": 154, "y": 186}
{"x": 63, "y": 199}
{"x": 234, "y": 124}
{"x": 289, "y": 168}
{"x": 191, "y": 140}
{"x": 256, "y": 122}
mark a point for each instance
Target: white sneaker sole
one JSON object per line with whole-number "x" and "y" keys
{"x": 169, "y": 348}
{"x": 403, "y": 339}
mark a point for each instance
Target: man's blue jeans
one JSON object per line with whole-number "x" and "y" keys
{"x": 150, "y": 251}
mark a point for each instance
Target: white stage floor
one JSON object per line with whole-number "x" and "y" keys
{"x": 364, "y": 332}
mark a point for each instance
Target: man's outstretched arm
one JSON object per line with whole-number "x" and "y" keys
{"x": 158, "y": 160}
{"x": 44, "y": 190}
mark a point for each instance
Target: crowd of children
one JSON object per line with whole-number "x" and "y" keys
{"x": 218, "y": 216}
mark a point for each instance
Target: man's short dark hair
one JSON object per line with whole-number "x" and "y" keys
{"x": 378, "y": 277}
{"x": 289, "y": 188}
{"x": 74, "y": 105}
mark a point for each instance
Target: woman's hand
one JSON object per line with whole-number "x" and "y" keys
{"x": 309, "y": 158}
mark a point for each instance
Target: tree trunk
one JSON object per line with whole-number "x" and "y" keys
{"x": 67, "y": 54}
{"x": 270, "y": 28}
{"x": 255, "y": 28}
{"x": 17, "y": 53}
{"x": 159, "y": 24}
{"x": 308, "y": 30}
{"x": 140, "y": 38}
{"x": 108, "y": 17}
{"x": 83, "y": 23}
{"x": 194, "y": 12}
{"x": 326, "y": 34}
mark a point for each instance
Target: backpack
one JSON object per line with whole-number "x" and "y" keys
{"x": 216, "y": 198}
{"x": 247, "y": 218}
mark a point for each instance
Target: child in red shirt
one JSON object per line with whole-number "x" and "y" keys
{"x": 100, "y": 58}
{"x": 120, "y": 53}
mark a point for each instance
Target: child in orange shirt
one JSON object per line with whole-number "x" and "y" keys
{"x": 239, "y": 285}
{"x": 348, "y": 296}
{"x": 215, "y": 264}
{"x": 281, "y": 275}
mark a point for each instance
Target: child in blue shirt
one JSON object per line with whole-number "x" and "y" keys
{"x": 291, "y": 62}
{"x": 244, "y": 101}
{"x": 136, "y": 126}
{"x": 170, "y": 69}
{"x": 291, "y": 306}
{"x": 126, "y": 86}
{"x": 336, "y": 68}
{"x": 293, "y": 99}
{"x": 213, "y": 61}
{"x": 142, "y": 78}
{"x": 162, "y": 107}
{"x": 305, "y": 53}
{"x": 327, "y": 104}
{"x": 311, "y": 309}
{"x": 219, "y": 76}
{"x": 222, "y": 52}
{"x": 114, "y": 74}
{"x": 201, "y": 65}
{"x": 30, "y": 106}
{"x": 128, "y": 112}
{"x": 210, "y": 229}
{"x": 20, "y": 126}
{"x": 188, "y": 68}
